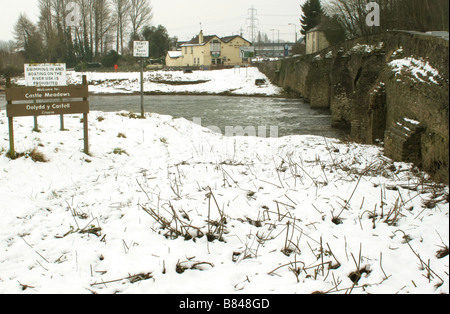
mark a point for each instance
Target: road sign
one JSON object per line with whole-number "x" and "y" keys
{"x": 141, "y": 49}
{"x": 45, "y": 74}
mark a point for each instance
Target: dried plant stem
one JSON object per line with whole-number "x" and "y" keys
{"x": 131, "y": 278}
{"x": 381, "y": 265}
{"x": 425, "y": 265}
{"x": 351, "y": 196}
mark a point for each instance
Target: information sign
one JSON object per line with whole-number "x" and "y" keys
{"x": 44, "y": 101}
{"x": 45, "y": 74}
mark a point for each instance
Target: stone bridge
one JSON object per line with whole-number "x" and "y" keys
{"x": 391, "y": 87}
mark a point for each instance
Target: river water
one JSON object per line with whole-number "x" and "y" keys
{"x": 286, "y": 116}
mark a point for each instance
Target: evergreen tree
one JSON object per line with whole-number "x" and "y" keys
{"x": 312, "y": 13}
{"x": 110, "y": 59}
{"x": 334, "y": 31}
{"x": 158, "y": 39}
{"x": 28, "y": 39}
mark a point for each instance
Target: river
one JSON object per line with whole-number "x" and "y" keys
{"x": 288, "y": 116}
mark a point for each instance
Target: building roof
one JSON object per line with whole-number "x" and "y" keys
{"x": 194, "y": 41}
{"x": 230, "y": 38}
{"x": 175, "y": 54}
{"x": 207, "y": 38}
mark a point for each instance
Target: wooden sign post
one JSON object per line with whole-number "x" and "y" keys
{"x": 141, "y": 50}
{"x": 44, "y": 101}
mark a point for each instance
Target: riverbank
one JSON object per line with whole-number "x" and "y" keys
{"x": 374, "y": 85}
{"x": 229, "y": 93}
{"x": 229, "y": 82}
{"x": 162, "y": 205}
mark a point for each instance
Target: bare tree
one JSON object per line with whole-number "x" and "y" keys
{"x": 425, "y": 15}
{"x": 60, "y": 13}
{"x": 100, "y": 15}
{"x": 11, "y": 63}
{"x": 350, "y": 14}
{"x": 140, "y": 14}
{"x": 417, "y": 15}
{"x": 45, "y": 18}
{"x": 47, "y": 29}
{"x": 120, "y": 10}
{"x": 83, "y": 37}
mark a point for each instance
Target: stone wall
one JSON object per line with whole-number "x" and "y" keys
{"x": 403, "y": 140}
{"x": 366, "y": 96}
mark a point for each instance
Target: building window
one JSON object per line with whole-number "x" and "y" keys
{"x": 215, "y": 48}
{"x": 215, "y": 45}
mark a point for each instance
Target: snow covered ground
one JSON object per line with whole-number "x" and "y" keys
{"x": 234, "y": 81}
{"x": 162, "y": 205}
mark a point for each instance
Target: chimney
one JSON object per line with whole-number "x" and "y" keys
{"x": 200, "y": 37}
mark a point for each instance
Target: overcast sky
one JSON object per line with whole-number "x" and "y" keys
{"x": 182, "y": 18}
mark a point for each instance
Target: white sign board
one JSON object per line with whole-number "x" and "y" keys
{"x": 141, "y": 49}
{"x": 45, "y": 74}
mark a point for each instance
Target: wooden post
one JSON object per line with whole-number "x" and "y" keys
{"x": 61, "y": 120}
{"x": 12, "y": 152}
{"x": 85, "y": 123}
{"x": 36, "y": 126}
{"x": 142, "y": 88}
{"x": 85, "y": 133}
